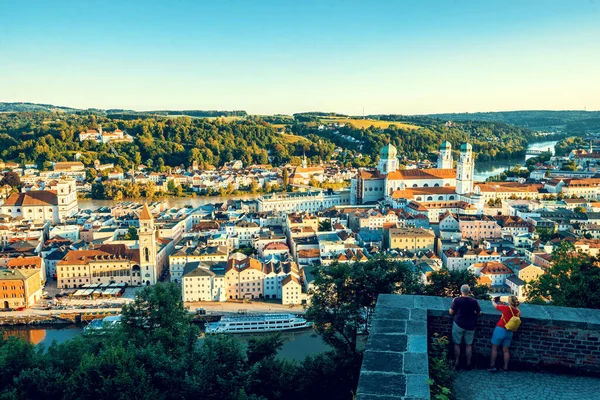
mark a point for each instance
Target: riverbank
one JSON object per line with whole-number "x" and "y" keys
{"x": 234, "y": 307}
{"x": 486, "y": 169}
{"x": 82, "y": 312}
{"x": 35, "y": 316}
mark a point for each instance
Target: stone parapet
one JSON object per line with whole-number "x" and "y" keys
{"x": 395, "y": 364}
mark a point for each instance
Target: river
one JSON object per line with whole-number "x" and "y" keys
{"x": 485, "y": 169}
{"x": 297, "y": 345}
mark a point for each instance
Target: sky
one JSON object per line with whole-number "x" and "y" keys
{"x": 267, "y": 57}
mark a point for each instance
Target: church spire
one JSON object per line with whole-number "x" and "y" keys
{"x": 145, "y": 214}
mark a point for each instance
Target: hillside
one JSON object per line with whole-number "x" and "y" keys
{"x": 42, "y": 137}
{"x": 215, "y": 137}
{"x": 31, "y": 107}
{"x": 574, "y": 122}
{"x": 27, "y": 107}
{"x": 420, "y": 138}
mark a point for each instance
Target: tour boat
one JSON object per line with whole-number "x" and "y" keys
{"x": 257, "y": 323}
{"x": 98, "y": 325}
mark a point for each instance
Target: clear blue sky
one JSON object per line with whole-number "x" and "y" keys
{"x": 290, "y": 56}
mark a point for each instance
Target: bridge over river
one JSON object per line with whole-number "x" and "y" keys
{"x": 532, "y": 152}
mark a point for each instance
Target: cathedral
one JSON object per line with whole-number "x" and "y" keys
{"x": 442, "y": 184}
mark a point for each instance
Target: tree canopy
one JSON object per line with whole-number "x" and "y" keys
{"x": 573, "y": 280}
{"x": 54, "y": 136}
{"x": 447, "y": 283}
{"x": 344, "y": 297}
{"x": 154, "y": 354}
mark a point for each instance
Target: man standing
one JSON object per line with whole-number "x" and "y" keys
{"x": 465, "y": 310}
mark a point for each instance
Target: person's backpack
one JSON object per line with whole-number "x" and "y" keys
{"x": 514, "y": 322}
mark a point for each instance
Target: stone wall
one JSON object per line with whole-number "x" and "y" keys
{"x": 395, "y": 362}
{"x": 550, "y": 338}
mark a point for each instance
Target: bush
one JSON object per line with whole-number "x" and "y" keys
{"x": 441, "y": 373}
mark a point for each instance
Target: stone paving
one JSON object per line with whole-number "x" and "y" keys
{"x": 517, "y": 385}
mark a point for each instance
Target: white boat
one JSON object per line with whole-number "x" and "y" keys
{"x": 257, "y": 323}
{"x": 98, "y": 325}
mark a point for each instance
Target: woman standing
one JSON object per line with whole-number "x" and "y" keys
{"x": 503, "y": 332}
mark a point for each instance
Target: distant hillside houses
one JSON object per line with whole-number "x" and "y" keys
{"x": 104, "y": 137}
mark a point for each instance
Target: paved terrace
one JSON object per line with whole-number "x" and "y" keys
{"x": 551, "y": 340}
{"x": 524, "y": 385}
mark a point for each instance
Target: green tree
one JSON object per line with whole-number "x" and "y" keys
{"x": 154, "y": 354}
{"x": 91, "y": 174}
{"x": 157, "y": 316}
{"x": 98, "y": 191}
{"x": 285, "y": 176}
{"x": 150, "y": 190}
{"x": 545, "y": 234}
{"x": 580, "y": 209}
{"x": 573, "y": 280}
{"x": 344, "y": 297}
{"x": 115, "y": 370}
{"x": 325, "y": 225}
{"x": 447, "y": 283}
{"x": 11, "y": 179}
{"x": 132, "y": 234}
{"x": 253, "y": 187}
{"x": 570, "y": 166}
{"x": 178, "y": 191}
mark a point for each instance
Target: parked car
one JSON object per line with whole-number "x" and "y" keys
{"x": 20, "y": 309}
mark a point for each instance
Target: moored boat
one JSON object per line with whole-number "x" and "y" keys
{"x": 99, "y": 325}
{"x": 257, "y": 323}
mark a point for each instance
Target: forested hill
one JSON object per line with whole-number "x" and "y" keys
{"x": 25, "y": 107}
{"x": 44, "y": 137}
{"x": 570, "y": 122}
{"x": 176, "y": 139}
{"x": 416, "y": 137}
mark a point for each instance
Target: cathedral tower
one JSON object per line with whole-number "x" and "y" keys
{"x": 465, "y": 169}
{"x": 388, "y": 161}
{"x": 445, "y": 160}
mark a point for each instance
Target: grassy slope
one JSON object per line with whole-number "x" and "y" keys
{"x": 365, "y": 123}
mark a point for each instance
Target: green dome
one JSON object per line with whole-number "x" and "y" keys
{"x": 388, "y": 151}
{"x": 445, "y": 145}
{"x": 466, "y": 147}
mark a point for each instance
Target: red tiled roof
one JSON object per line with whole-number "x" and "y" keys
{"x": 25, "y": 262}
{"x": 276, "y": 246}
{"x": 433, "y": 173}
{"x": 107, "y": 252}
{"x": 33, "y": 198}
{"x": 309, "y": 253}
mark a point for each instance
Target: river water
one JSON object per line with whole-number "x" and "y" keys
{"x": 297, "y": 345}
{"x": 485, "y": 169}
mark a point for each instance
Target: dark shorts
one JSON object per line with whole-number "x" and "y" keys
{"x": 459, "y": 333}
